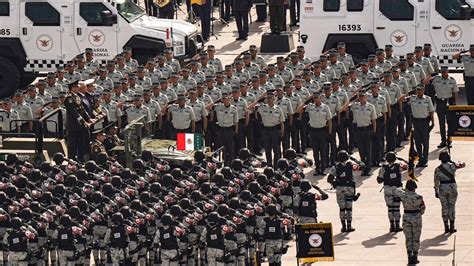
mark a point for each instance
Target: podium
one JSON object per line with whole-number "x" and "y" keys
{"x": 277, "y": 43}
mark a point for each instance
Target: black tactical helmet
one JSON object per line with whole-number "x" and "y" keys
{"x": 227, "y": 172}
{"x": 125, "y": 211}
{"x": 116, "y": 181}
{"x": 290, "y": 154}
{"x": 269, "y": 172}
{"x": 138, "y": 164}
{"x": 262, "y": 179}
{"x": 342, "y": 156}
{"x": 58, "y": 158}
{"x": 175, "y": 210}
{"x": 65, "y": 220}
{"x": 177, "y": 173}
{"x": 145, "y": 197}
{"x": 305, "y": 185}
{"x": 444, "y": 157}
{"x": 117, "y": 218}
{"x": 206, "y": 188}
{"x": 146, "y": 156}
{"x": 135, "y": 205}
{"x": 185, "y": 203}
{"x": 70, "y": 181}
{"x": 166, "y": 219}
{"x": 411, "y": 185}
{"x": 11, "y": 158}
{"x": 35, "y": 175}
{"x": 222, "y": 209}
{"x": 82, "y": 174}
{"x": 390, "y": 157}
{"x": 245, "y": 195}
{"x": 254, "y": 187}
{"x": 167, "y": 180}
{"x": 155, "y": 188}
{"x": 195, "y": 195}
{"x": 90, "y": 166}
{"x": 102, "y": 158}
{"x": 96, "y": 197}
{"x": 244, "y": 154}
{"x": 213, "y": 217}
{"x": 126, "y": 173}
{"x": 25, "y": 214}
{"x": 16, "y": 223}
{"x": 83, "y": 205}
{"x": 271, "y": 209}
{"x": 45, "y": 167}
{"x": 199, "y": 156}
{"x": 74, "y": 212}
{"x": 234, "y": 203}
{"x": 218, "y": 178}
{"x": 282, "y": 164}
{"x": 237, "y": 165}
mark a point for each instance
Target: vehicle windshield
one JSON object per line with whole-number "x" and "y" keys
{"x": 450, "y": 9}
{"x": 129, "y": 10}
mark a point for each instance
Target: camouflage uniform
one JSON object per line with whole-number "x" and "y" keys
{"x": 414, "y": 207}
{"x": 446, "y": 188}
{"x": 390, "y": 175}
{"x": 271, "y": 230}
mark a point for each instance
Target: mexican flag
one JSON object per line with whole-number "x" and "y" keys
{"x": 189, "y": 142}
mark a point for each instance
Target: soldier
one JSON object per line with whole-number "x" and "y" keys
{"x": 364, "y": 116}
{"x": 446, "y": 190}
{"x": 71, "y": 74}
{"x": 215, "y": 93}
{"x": 294, "y": 65}
{"x": 200, "y": 112}
{"x": 206, "y": 68}
{"x": 311, "y": 85}
{"x": 214, "y": 61}
{"x": 129, "y": 61}
{"x": 221, "y": 84}
{"x": 334, "y": 105}
{"x": 182, "y": 117}
{"x": 229, "y": 78}
{"x": 64, "y": 240}
{"x": 468, "y": 62}
{"x": 172, "y": 62}
{"x": 240, "y": 72}
{"x": 151, "y": 72}
{"x": 433, "y": 58}
{"x": 16, "y": 241}
{"x": 155, "y": 112}
{"x": 389, "y": 55}
{"x": 364, "y": 74}
{"x": 142, "y": 80}
{"x": 320, "y": 127}
{"x": 303, "y": 60}
{"x": 60, "y": 77}
{"x": 103, "y": 80}
{"x": 167, "y": 91}
{"x": 243, "y": 117}
{"x": 446, "y": 90}
{"x": 302, "y": 122}
{"x": 381, "y": 61}
{"x": 24, "y": 111}
{"x": 113, "y": 139}
{"x": 249, "y": 129}
{"x": 404, "y": 90}
{"x": 117, "y": 239}
{"x": 91, "y": 63}
{"x": 112, "y": 73}
{"x": 176, "y": 86}
{"x": 7, "y": 116}
{"x": 42, "y": 93}
{"x": 213, "y": 238}
{"x": 52, "y": 124}
{"x": 273, "y": 78}
{"x": 317, "y": 76}
{"x": 97, "y": 146}
{"x": 167, "y": 240}
{"x": 341, "y": 177}
{"x": 393, "y": 98}
{"x": 52, "y": 86}
{"x": 373, "y": 67}
{"x": 115, "y": 113}
{"x": 414, "y": 208}
{"x": 391, "y": 177}
{"x": 423, "y": 61}
{"x": 423, "y": 113}
{"x": 250, "y": 66}
{"x": 277, "y": 14}
{"x": 196, "y": 73}
{"x": 339, "y": 67}
{"x": 273, "y": 128}
{"x": 342, "y": 123}
{"x": 227, "y": 119}
{"x": 81, "y": 67}
{"x": 164, "y": 69}
{"x": 415, "y": 68}
{"x": 257, "y": 59}
{"x": 270, "y": 231}
{"x": 305, "y": 203}
{"x": 132, "y": 84}
{"x": 380, "y": 104}
{"x": 344, "y": 57}
{"x": 325, "y": 68}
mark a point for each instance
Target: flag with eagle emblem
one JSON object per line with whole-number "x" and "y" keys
{"x": 412, "y": 157}
{"x": 189, "y": 142}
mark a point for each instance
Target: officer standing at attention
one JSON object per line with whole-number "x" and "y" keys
{"x": 446, "y": 190}
{"x": 344, "y": 57}
{"x": 228, "y": 127}
{"x": 334, "y": 105}
{"x": 24, "y": 111}
{"x": 243, "y": 117}
{"x": 200, "y": 111}
{"x": 273, "y": 128}
{"x": 320, "y": 127}
{"x": 97, "y": 146}
{"x": 287, "y": 108}
{"x": 446, "y": 90}
{"x": 393, "y": 93}
{"x": 138, "y": 110}
{"x": 423, "y": 112}
{"x": 182, "y": 117}
{"x": 380, "y": 104}
{"x": 277, "y": 14}
{"x": 305, "y": 203}
{"x": 391, "y": 176}
{"x": 15, "y": 242}
{"x": 468, "y": 61}
{"x": 364, "y": 116}
{"x": 414, "y": 207}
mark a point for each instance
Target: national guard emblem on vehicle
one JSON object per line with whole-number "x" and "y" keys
{"x": 453, "y": 33}
{"x": 96, "y": 38}
{"x": 44, "y": 42}
{"x": 399, "y": 38}
{"x": 464, "y": 121}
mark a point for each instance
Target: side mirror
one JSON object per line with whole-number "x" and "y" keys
{"x": 108, "y": 18}
{"x": 465, "y": 12}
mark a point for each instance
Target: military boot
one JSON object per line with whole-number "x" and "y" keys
{"x": 415, "y": 258}
{"x": 392, "y": 226}
{"x": 349, "y": 226}
{"x": 446, "y": 227}
{"x": 344, "y": 228}
{"x": 410, "y": 257}
{"x": 452, "y": 229}
{"x": 397, "y": 226}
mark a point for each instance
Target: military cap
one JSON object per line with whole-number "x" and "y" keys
{"x": 225, "y": 95}
{"x": 418, "y": 48}
{"x": 110, "y": 62}
{"x": 243, "y": 83}
{"x": 316, "y": 64}
{"x": 55, "y": 99}
{"x": 193, "y": 63}
{"x": 332, "y": 52}
{"x": 119, "y": 57}
{"x": 70, "y": 63}
{"x": 73, "y": 84}
{"x": 102, "y": 69}
{"x": 51, "y": 75}
{"x": 306, "y": 71}
{"x": 471, "y": 47}
{"x": 60, "y": 69}
{"x": 127, "y": 50}
{"x": 117, "y": 85}
{"x": 420, "y": 87}
{"x": 372, "y": 57}
{"x": 228, "y": 67}
{"x": 140, "y": 68}
{"x": 184, "y": 69}
{"x": 203, "y": 54}
{"x": 168, "y": 50}
{"x": 374, "y": 83}
{"x": 155, "y": 85}
{"x": 293, "y": 55}
{"x": 235, "y": 89}
{"x": 132, "y": 76}
{"x": 88, "y": 50}
{"x": 80, "y": 56}
{"x": 18, "y": 93}
{"x": 287, "y": 85}
{"x": 297, "y": 78}
{"x": 146, "y": 91}
{"x": 278, "y": 88}
{"x": 270, "y": 94}
{"x": 427, "y": 46}
{"x": 255, "y": 78}
{"x": 247, "y": 55}
{"x": 219, "y": 74}
{"x": 150, "y": 61}
{"x": 7, "y": 101}
{"x": 181, "y": 97}
{"x": 326, "y": 85}
{"x": 341, "y": 45}
{"x": 395, "y": 69}
{"x": 210, "y": 78}
{"x": 41, "y": 82}
{"x": 163, "y": 80}
{"x": 199, "y": 84}
{"x": 379, "y": 51}
{"x": 410, "y": 55}
{"x": 335, "y": 80}
{"x": 388, "y": 47}
{"x": 123, "y": 80}
{"x": 238, "y": 61}
{"x": 160, "y": 56}
{"x": 253, "y": 48}
{"x": 402, "y": 61}
{"x": 362, "y": 94}
{"x": 387, "y": 74}
{"x": 300, "y": 48}
{"x": 271, "y": 66}
{"x": 317, "y": 94}
{"x": 192, "y": 90}
{"x": 345, "y": 76}
{"x": 106, "y": 91}
{"x": 31, "y": 87}
{"x": 323, "y": 58}
{"x": 363, "y": 62}
{"x": 352, "y": 69}
{"x": 211, "y": 48}
{"x": 444, "y": 68}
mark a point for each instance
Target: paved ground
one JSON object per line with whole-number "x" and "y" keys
{"x": 371, "y": 243}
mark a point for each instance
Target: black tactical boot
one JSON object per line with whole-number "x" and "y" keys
{"x": 392, "y": 226}
{"x": 344, "y": 228}
{"x": 349, "y": 226}
{"x": 446, "y": 227}
{"x": 410, "y": 257}
{"x": 452, "y": 229}
{"x": 397, "y": 227}
{"x": 415, "y": 258}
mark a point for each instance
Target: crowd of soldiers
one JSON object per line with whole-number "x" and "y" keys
{"x": 330, "y": 106}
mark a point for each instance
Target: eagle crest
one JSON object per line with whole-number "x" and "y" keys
{"x": 97, "y": 38}
{"x": 464, "y": 121}
{"x": 399, "y": 38}
{"x": 453, "y": 33}
{"x": 44, "y": 43}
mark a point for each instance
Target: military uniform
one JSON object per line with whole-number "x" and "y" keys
{"x": 117, "y": 239}
{"x": 366, "y": 77}
{"x": 216, "y": 63}
{"x": 285, "y": 73}
{"x": 468, "y": 63}
{"x": 393, "y": 95}
{"x": 96, "y": 148}
{"x": 124, "y": 70}
{"x": 115, "y": 76}
{"x": 72, "y": 77}
{"x": 287, "y": 108}
{"x": 339, "y": 68}
{"x": 170, "y": 94}
{"x": 198, "y": 76}
{"x": 418, "y": 72}
{"x": 260, "y": 61}
{"x": 66, "y": 246}
{"x": 144, "y": 82}
{"x": 391, "y": 177}
{"x": 329, "y": 72}
{"x": 346, "y": 59}
{"x": 345, "y": 192}
{"x": 181, "y": 118}
{"x": 105, "y": 83}
{"x": 200, "y": 112}
{"x": 272, "y": 117}
{"x": 224, "y": 87}
{"x": 378, "y": 143}
{"x": 16, "y": 243}
{"x": 363, "y": 117}
{"x": 25, "y": 113}
{"x": 188, "y": 83}
{"x": 85, "y": 72}
{"x": 300, "y": 137}
{"x": 318, "y": 133}
{"x": 242, "y": 114}
{"x": 174, "y": 64}
{"x": 271, "y": 230}
{"x": 276, "y": 81}
{"x": 446, "y": 190}
{"x": 227, "y": 119}
{"x": 334, "y": 105}
{"x": 320, "y": 79}
{"x": 153, "y": 75}
{"x": 252, "y": 68}
{"x": 55, "y": 89}
{"x": 444, "y": 88}
{"x": 242, "y": 75}
{"x": 169, "y": 242}
{"x": 45, "y": 96}
{"x": 296, "y": 69}
{"x": 165, "y": 71}
{"x": 421, "y": 109}
{"x": 385, "y": 65}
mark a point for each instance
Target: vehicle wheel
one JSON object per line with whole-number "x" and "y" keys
{"x": 9, "y": 77}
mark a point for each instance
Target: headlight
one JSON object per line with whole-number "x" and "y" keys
{"x": 178, "y": 48}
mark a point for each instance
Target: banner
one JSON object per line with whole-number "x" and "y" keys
{"x": 460, "y": 122}
{"x": 314, "y": 242}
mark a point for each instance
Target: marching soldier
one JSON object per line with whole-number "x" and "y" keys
{"x": 16, "y": 242}
{"x": 364, "y": 116}
{"x": 97, "y": 146}
{"x": 404, "y": 90}
{"x": 112, "y": 72}
{"x": 295, "y": 66}
{"x": 446, "y": 190}
{"x": 182, "y": 117}
{"x": 273, "y": 78}
{"x": 155, "y": 112}
{"x": 446, "y": 90}
{"x": 423, "y": 61}
{"x": 380, "y": 104}
{"x": 270, "y": 231}
{"x": 167, "y": 239}
{"x": 422, "y": 110}
{"x": 64, "y": 240}
{"x": 468, "y": 62}
{"x": 227, "y": 119}
{"x": 342, "y": 178}
{"x": 117, "y": 239}
{"x": 373, "y": 67}
{"x": 273, "y": 128}
{"x": 305, "y": 203}
{"x": 391, "y": 177}
{"x": 129, "y": 61}
{"x": 414, "y": 208}
{"x": 433, "y": 58}
{"x": 325, "y": 68}
{"x": 415, "y": 68}
{"x": 381, "y": 61}
{"x": 339, "y": 67}
{"x": 344, "y": 57}
{"x": 364, "y": 75}
{"x": 213, "y": 238}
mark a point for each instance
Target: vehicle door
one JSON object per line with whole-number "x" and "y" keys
{"x": 93, "y": 29}
{"x": 394, "y": 23}
{"x": 40, "y": 34}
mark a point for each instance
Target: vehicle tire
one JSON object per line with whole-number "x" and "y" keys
{"x": 9, "y": 77}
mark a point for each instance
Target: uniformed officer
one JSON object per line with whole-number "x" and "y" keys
{"x": 167, "y": 91}
{"x": 7, "y": 115}
{"x": 243, "y": 117}
{"x": 115, "y": 113}
{"x": 343, "y": 98}
{"x": 211, "y": 90}
{"x": 373, "y": 67}
{"x": 416, "y": 68}
{"x": 24, "y": 111}
{"x": 60, "y": 76}
{"x": 174, "y": 84}
{"x": 273, "y": 78}
{"x": 317, "y": 76}
{"x": 229, "y": 78}
{"x": 257, "y": 59}
{"x": 364, "y": 116}
{"x": 468, "y": 62}
{"x": 128, "y": 60}
{"x": 137, "y": 110}
{"x": 305, "y": 202}
{"x": 52, "y": 86}
{"x": 446, "y": 90}
{"x": 112, "y": 72}
{"x": 200, "y": 111}
{"x": 343, "y": 56}
{"x": 380, "y": 104}
{"x": 15, "y": 241}
{"x": 325, "y": 68}
{"x": 391, "y": 177}
{"x": 118, "y": 239}
{"x": 320, "y": 127}
{"x": 196, "y": 73}
{"x": 155, "y": 112}
{"x": 182, "y": 117}
{"x": 334, "y": 105}
{"x": 446, "y": 190}
{"x": 91, "y": 63}
{"x": 52, "y": 124}
{"x": 249, "y": 129}
{"x": 227, "y": 119}
{"x": 214, "y": 61}
{"x": 42, "y": 93}
{"x": 273, "y": 128}
{"x": 276, "y": 10}
{"x": 427, "y": 53}
{"x": 381, "y": 61}
{"x": 151, "y": 72}
{"x": 414, "y": 208}
{"x": 364, "y": 74}
{"x": 250, "y": 66}
{"x": 295, "y": 66}
{"x": 97, "y": 145}
{"x": 287, "y": 108}
{"x": 71, "y": 74}
{"x": 423, "y": 61}
{"x": 301, "y": 56}
{"x": 240, "y": 72}
{"x": 167, "y": 239}
{"x": 270, "y": 231}
{"x": 82, "y": 69}
{"x": 206, "y": 68}
{"x": 389, "y": 55}
{"x": 301, "y": 123}
{"x": 393, "y": 97}
{"x": 172, "y": 62}
{"x": 404, "y": 90}
{"x": 339, "y": 67}
{"x": 103, "y": 80}
{"x": 141, "y": 79}
{"x": 165, "y": 69}
{"x": 310, "y": 84}
{"x": 422, "y": 111}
